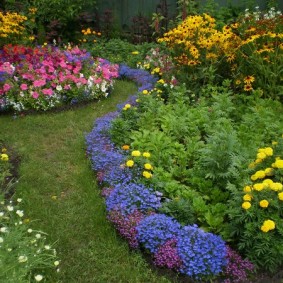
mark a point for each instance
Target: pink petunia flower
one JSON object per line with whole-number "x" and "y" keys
{"x": 6, "y": 87}
{"x": 24, "y": 86}
{"x": 47, "y": 91}
{"x": 39, "y": 83}
{"x": 35, "y": 95}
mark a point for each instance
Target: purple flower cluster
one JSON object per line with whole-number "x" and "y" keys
{"x": 237, "y": 269}
{"x": 156, "y": 229}
{"x": 128, "y": 197}
{"x": 143, "y": 78}
{"x": 203, "y": 254}
{"x": 167, "y": 255}
{"x": 126, "y": 225}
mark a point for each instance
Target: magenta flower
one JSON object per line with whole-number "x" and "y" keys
{"x": 24, "y": 86}
{"x": 47, "y": 91}
{"x": 6, "y": 87}
{"x": 39, "y": 83}
{"x": 35, "y": 94}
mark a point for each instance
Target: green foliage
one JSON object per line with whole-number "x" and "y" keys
{"x": 118, "y": 50}
{"x": 180, "y": 209}
{"x": 53, "y": 19}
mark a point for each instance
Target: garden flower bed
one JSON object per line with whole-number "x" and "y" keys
{"x": 134, "y": 206}
{"x": 45, "y": 77}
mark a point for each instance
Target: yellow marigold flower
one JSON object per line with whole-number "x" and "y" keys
{"x": 260, "y": 174}
{"x": 269, "y": 171}
{"x": 247, "y": 189}
{"x": 136, "y": 153}
{"x": 261, "y": 155}
{"x": 127, "y": 106}
{"x": 280, "y": 196}
{"x": 268, "y": 151}
{"x": 125, "y": 147}
{"x": 267, "y": 225}
{"x": 263, "y": 203}
{"x": 135, "y": 52}
{"x": 4, "y": 157}
{"x": 276, "y": 186}
{"x": 254, "y": 177}
{"x": 258, "y": 186}
{"x": 247, "y": 197}
{"x": 146, "y": 154}
{"x": 147, "y": 166}
{"x": 278, "y": 164}
{"x": 246, "y": 205}
{"x": 252, "y": 165}
{"x": 130, "y": 163}
{"x": 258, "y": 160}
{"x": 146, "y": 174}
{"x": 161, "y": 81}
{"x": 145, "y": 91}
{"x": 267, "y": 181}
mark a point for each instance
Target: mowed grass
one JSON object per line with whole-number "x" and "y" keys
{"x": 59, "y": 191}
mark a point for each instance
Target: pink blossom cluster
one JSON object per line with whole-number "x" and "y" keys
{"x": 43, "y": 77}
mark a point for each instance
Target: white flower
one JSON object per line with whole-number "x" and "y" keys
{"x": 3, "y": 229}
{"x": 1, "y": 214}
{"x": 38, "y": 236}
{"x": 59, "y": 87}
{"x": 56, "y": 263}
{"x": 22, "y": 258}
{"x": 19, "y": 200}
{"x": 2, "y": 240}
{"x": 29, "y": 230}
{"x": 47, "y": 247}
{"x": 20, "y": 213}
{"x": 10, "y": 207}
{"x": 38, "y": 277}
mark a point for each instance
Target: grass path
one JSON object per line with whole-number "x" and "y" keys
{"x": 59, "y": 190}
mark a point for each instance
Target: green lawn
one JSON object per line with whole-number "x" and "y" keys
{"x": 59, "y": 190}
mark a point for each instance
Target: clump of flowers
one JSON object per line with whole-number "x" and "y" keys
{"x": 259, "y": 49}
{"x": 4, "y": 167}
{"x": 25, "y": 252}
{"x": 130, "y": 197}
{"x": 11, "y": 26}
{"x": 156, "y": 229}
{"x": 261, "y": 210}
{"x": 203, "y": 254}
{"x": 44, "y": 77}
{"x": 89, "y": 35}
{"x": 126, "y": 225}
{"x": 167, "y": 255}
{"x": 237, "y": 269}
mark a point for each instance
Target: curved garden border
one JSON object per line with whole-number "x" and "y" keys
{"x": 132, "y": 207}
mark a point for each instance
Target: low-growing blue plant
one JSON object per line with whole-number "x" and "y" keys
{"x": 203, "y": 254}
{"x": 130, "y": 197}
{"x": 156, "y": 229}
{"x": 144, "y": 79}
